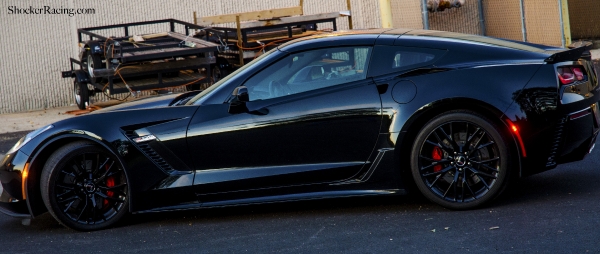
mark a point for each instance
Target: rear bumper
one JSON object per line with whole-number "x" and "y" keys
{"x": 580, "y": 132}
{"x": 568, "y": 139}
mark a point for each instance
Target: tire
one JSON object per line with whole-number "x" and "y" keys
{"x": 84, "y": 187}
{"x": 217, "y": 74}
{"x": 81, "y": 94}
{"x": 460, "y": 160}
{"x": 90, "y": 62}
{"x": 192, "y": 87}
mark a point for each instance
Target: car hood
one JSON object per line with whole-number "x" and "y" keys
{"x": 155, "y": 101}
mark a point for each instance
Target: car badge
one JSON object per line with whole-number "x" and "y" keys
{"x": 144, "y": 138}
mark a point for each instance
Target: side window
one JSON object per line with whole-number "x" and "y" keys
{"x": 406, "y": 58}
{"x": 390, "y": 59}
{"x": 309, "y": 70}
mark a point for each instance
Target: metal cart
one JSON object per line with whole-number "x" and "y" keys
{"x": 127, "y": 64}
{"x": 259, "y": 31}
{"x": 200, "y": 54}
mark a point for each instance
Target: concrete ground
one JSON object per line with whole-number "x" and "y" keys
{"x": 31, "y": 120}
{"x": 16, "y": 125}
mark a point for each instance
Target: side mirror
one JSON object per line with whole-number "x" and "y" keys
{"x": 241, "y": 93}
{"x": 238, "y": 103}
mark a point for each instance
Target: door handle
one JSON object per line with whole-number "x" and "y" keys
{"x": 260, "y": 112}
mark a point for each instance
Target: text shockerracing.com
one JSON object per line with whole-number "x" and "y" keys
{"x": 49, "y": 10}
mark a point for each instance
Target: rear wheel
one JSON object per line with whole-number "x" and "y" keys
{"x": 460, "y": 160}
{"x": 84, "y": 187}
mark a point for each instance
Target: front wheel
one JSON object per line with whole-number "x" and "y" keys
{"x": 84, "y": 187}
{"x": 460, "y": 160}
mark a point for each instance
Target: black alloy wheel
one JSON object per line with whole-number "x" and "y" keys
{"x": 84, "y": 187}
{"x": 460, "y": 160}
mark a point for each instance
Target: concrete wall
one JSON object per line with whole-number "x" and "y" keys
{"x": 36, "y": 47}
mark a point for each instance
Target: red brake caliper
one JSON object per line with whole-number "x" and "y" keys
{"x": 110, "y": 182}
{"x": 437, "y": 154}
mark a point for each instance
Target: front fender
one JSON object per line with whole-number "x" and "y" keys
{"x": 36, "y": 162}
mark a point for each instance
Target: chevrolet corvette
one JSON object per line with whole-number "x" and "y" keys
{"x": 453, "y": 116}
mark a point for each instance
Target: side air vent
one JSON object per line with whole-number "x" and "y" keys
{"x": 555, "y": 145}
{"x": 149, "y": 152}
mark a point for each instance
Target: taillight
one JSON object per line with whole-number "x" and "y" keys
{"x": 578, "y": 73}
{"x": 570, "y": 74}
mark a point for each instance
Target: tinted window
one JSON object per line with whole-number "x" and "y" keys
{"x": 309, "y": 70}
{"x": 390, "y": 59}
{"x": 407, "y": 58}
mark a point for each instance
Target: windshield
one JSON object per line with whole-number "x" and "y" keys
{"x": 202, "y": 96}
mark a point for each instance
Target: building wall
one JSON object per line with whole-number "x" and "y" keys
{"x": 503, "y": 19}
{"x": 36, "y": 48}
{"x": 461, "y": 20}
{"x": 407, "y": 14}
{"x": 542, "y": 21}
{"x": 466, "y": 19}
{"x": 584, "y": 19}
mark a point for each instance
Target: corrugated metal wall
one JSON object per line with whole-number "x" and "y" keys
{"x": 503, "y": 19}
{"x": 35, "y": 48}
{"x": 585, "y": 19}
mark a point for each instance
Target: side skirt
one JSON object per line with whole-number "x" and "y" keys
{"x": 279, "y": 199}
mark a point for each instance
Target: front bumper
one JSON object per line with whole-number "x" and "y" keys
{"x": 17, "y": 209}
{"x": 12, "y": 201}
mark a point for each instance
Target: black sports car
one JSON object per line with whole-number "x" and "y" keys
{"x": 358, "y": 113}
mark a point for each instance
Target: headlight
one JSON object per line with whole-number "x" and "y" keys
{"x": 27, "y": 138}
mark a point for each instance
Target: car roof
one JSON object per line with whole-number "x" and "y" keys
{"x": 411, "y": 38}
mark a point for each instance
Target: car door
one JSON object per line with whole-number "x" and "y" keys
{"x": 312, "y": 117}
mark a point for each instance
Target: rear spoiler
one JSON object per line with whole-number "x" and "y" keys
{"x": 575, "y": 52}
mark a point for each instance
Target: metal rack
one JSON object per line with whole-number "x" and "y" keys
{"x": 129, "y": 63}
{"x": 122, "y": 64}
{"x": 262, "y": 34}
